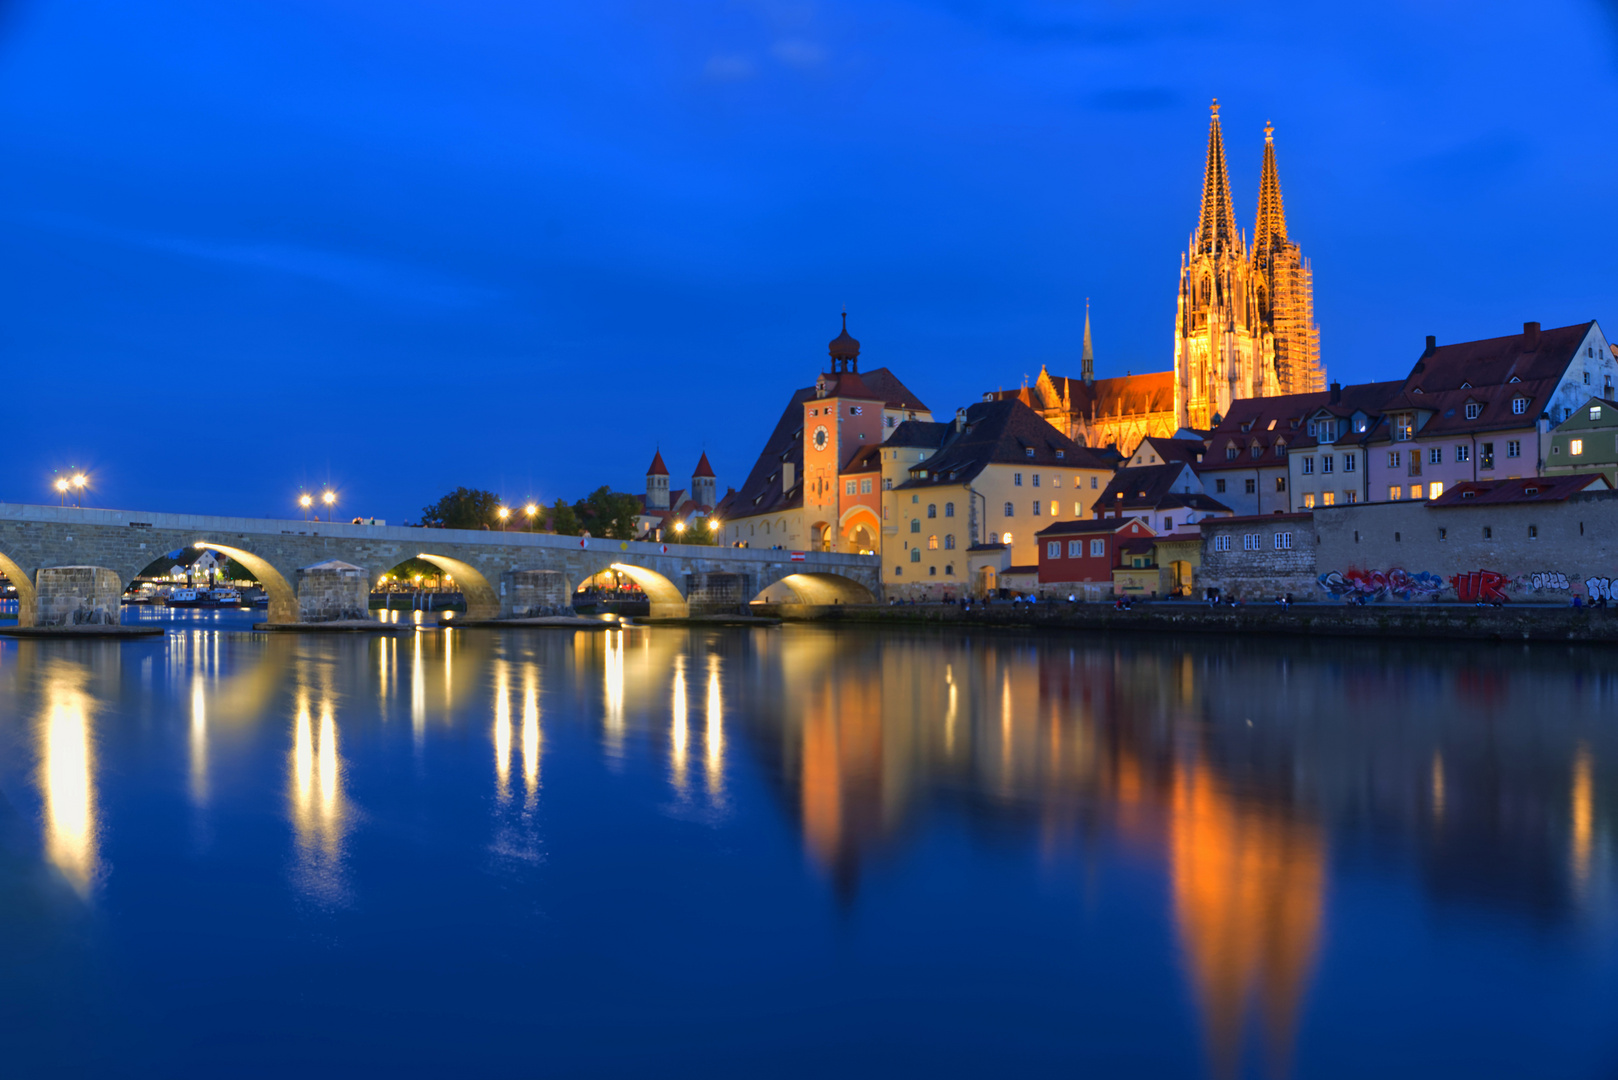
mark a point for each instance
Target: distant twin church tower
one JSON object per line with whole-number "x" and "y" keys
{"x": 1245, "y": 326}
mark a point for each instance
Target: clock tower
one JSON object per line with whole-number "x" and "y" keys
{"x": 841, "y": 420}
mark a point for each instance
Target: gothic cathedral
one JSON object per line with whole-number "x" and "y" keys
{"x": 1245, "y": 326}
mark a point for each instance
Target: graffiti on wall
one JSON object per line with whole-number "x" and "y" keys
{"x": 1602, "y": 588}
{"x": 1377, "y": 584}
{"x": 1480, "y": 586}
{"x": 1547, "y": 580}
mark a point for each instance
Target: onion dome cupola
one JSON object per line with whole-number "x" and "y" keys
{"x": 845, "y": 350}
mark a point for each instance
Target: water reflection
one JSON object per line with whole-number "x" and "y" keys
{"x": 319, "y": 812}
{"x": 66, "y": 773}
{"x": 1237, "y": 780}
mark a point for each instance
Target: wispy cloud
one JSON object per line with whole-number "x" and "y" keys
{"x": 798, "y": 53}
{"x": 362, "y": 274}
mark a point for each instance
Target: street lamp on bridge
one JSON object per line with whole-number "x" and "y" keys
{"x": 306, "y": 501}
{"x": 330, "y": 499}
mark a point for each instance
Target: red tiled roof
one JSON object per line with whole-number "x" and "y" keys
{"x": 657, "y": 468}
{"x": 1093, "y": 525}
{"x": 703, "y": 468}
{"x": 1532, "y": 354}
{"x": 1533, "y": 489}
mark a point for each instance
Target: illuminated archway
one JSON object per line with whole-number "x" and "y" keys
{"x": 826, "y": 589}
{"x": 860, "y": 528}
{"x": 26, "y": 599}
{"x": 283, "y": 597}
{"x": 666, "y": 599}
{"x": 482, "y": 602}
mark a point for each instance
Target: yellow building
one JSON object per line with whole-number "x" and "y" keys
{"x": 1001, "y": 474}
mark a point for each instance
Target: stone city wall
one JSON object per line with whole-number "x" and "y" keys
{"x": 1411, "y": 552}
{"x": 1261, "y": 568}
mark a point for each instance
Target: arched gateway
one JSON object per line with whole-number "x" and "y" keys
{"x": 501, "y": 574}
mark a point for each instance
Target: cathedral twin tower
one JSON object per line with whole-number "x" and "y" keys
{"x": 1245, "y": 326}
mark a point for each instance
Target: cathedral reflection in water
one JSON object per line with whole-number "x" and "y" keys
{"x": 1234, "y": 770}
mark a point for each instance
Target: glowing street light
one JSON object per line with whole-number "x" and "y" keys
{"x": 532, "y": 510}
{"x": 679, "y": 527}
{"x": 330, "y": 499}
{"x": 61, "y": 490}
{"x": 79, "y": 481}
{"x": 306, "y": 501}
{"x": 503, "y": 513}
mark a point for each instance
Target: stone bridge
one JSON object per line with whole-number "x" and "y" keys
{"x": 71, "y": 565}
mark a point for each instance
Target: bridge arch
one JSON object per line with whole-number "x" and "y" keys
{"x": 482, "y": 601}
{"x": 283, "y": 597}
{"x": 26, "y": 597}
{"x": 665, "y": 596}
{"x": 822, "y": 589}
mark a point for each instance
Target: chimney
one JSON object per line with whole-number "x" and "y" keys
{"x": 1530, "y": 336}
{"x": 1336, "y": 392}
{"x": 960, "y": 419}
{"x": 789, "y": 477}
{"x": 1432, "y": 344}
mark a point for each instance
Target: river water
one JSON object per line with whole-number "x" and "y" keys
{"x": 804, "y": 852}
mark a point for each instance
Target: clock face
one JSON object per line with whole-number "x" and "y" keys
{"x": 821, "y": 436}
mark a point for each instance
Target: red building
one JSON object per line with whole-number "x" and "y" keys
{"x": 1085, "y": 553}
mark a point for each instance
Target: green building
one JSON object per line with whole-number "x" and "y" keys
{"x": 1586, "y": 442}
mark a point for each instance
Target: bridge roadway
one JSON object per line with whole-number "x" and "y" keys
{"x": 70, "y": 565}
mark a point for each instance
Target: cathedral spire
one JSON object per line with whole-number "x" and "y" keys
{"x": 1270, "y": 231}
{"x": 1216, "y": 232}
{"x": 1088, "y": 361}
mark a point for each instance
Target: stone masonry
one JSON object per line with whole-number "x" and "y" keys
{"x": 1519, "y": 551}
{"x": 536, "y": 592}
{"x": 331, "y": 591}
{"x": 1258, "y": 558}
{"x": 124, "y": 542}
{"x": 78, "y": 595}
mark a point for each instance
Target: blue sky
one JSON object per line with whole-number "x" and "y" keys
{"x": 403, "y": 246}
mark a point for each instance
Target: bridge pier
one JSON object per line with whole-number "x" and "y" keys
{"x": 528, "y": 593}
{"x": 333, "y": 590}
{"x": 718, "y": 593}
{"x": 76, "y": 596}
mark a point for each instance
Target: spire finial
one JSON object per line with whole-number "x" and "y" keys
{"x": 1269, "y": 131}
{"x": 1216, "y": 231}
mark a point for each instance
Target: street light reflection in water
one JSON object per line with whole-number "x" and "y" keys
{"x": 1112, "y": 825}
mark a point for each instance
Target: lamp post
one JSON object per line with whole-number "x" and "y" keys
{"x": 532, "y": 510}
{"x": 306, "y": 501}
{"x": 330, "y": 499}
{"x": 61, "y": 491}
{"x": 79, "y": 481}
{"x": 503, "y": 513}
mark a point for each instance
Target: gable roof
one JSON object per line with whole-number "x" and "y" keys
{"x": 761, "y": 492}
{"x": 1532, "y": 354}
{"x": 893, "y": 393}
{"x": 1094, "y": 525}
{"x": 703, "y": 468}
{"x": 1188, "y": 451}
{"x": 1447, "y": 409}
{"x": 999, "y": 432}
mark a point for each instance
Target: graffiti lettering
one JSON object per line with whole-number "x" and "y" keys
{"x": 1601, "y": 588}
{"x": 1484, "y": 586}
{"x": 1377, "y": 584}
{"x": 1549, "y": 580}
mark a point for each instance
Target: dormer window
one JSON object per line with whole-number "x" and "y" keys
{"x": 1280, "y": 450}
{"x": 1060, "y": 454}
{"x": 1519, "y": 405}
{"x": 1595, "y": 412}
{"x": 1402, "y": 428}
{"x": 1230, "y": 453}
{"x": 1029, "y": 452}
{"x": 1530, "y": 491}
{"x": 1473, "y": 409}
{"x": 1466, "y": 386}
{"x": 1258, "y": 451}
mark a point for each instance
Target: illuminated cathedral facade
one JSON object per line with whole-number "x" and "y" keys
{"x": 1245, "y": 322}
{"x": 1244, "y": 328}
